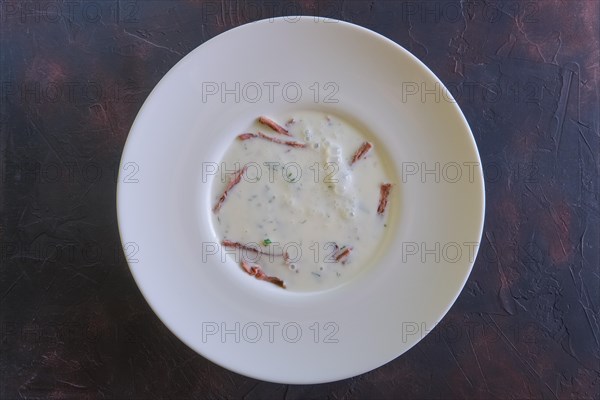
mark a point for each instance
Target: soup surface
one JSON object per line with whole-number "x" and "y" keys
{"x": 302, "y": 203}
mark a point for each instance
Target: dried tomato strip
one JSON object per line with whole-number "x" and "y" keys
{"x": 361, "y": 152}
{"x": 342, "y": 255}
{"x": 246, "y": 136}
{"x": 384, "y": 192}
{"x": 236, "y": 179}
{"x": 238, "y": 245}
{"x": 259, "y": 274}
{"x": 273, "y": 125}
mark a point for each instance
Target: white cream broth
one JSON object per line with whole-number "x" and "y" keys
{"x": 304, "y": 200}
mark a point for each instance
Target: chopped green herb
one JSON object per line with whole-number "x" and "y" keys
{"x": 266, "y": 242}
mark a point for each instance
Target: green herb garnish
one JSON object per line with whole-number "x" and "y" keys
{"x": 266, "y": 242}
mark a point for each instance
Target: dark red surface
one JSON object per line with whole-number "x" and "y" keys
{"x": 74, "y": 75}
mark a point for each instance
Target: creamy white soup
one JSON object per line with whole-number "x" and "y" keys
{"x": 302, "y": 202}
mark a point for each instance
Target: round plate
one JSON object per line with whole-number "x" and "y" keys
{"x": 275, "y": 67}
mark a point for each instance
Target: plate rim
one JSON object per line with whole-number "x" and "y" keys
{"x": 333, "y": 377}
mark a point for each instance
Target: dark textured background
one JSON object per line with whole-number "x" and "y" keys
{"x": 75, "y": 73}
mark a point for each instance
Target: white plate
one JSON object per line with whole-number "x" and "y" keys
{"x": 164, "y": 203}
